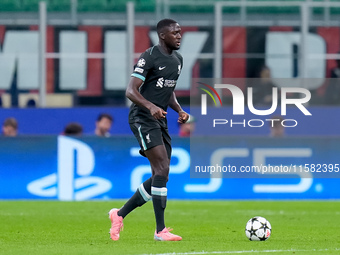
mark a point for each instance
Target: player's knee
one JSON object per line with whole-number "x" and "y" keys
{"x": 162, "y": 172}
{"x": 162, "y": 169}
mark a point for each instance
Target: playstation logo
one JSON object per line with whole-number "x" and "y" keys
{"x": 73, "y": 181}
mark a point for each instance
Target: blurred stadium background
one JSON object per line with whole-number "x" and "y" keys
{"x": 67, "y": 61}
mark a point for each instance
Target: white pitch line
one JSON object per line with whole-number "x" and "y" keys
{"x": 240, "y": 252}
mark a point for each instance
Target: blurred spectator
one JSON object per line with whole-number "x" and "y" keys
{"x": 332, "y": 95}
{"x": 31, "y": 103}
{"x": 103, "y": 124}
{"x": 73, "y": 128}
{"x": 10, "y": 127}
{"x": 276, "y": 128}
{"x": 263, "y": 89}
{"x": 187, "y": 128}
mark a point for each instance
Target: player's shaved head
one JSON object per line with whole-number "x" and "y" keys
{"x": 163, "y": 24}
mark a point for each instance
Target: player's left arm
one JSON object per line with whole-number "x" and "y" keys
{"x": 182, "y": 115}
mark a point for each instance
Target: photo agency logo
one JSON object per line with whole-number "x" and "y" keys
{"x": 301, "y": 97}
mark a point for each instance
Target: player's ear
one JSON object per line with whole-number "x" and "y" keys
{"x": 161, "y": 35}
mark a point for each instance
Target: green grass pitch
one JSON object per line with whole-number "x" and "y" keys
{"x": 207, "y": 227}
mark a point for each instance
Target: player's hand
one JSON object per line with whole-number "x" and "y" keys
{"x": 183, "y": 117}
{"x": 157, "y": 113}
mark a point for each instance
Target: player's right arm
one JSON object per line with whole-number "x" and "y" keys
{"x": 132, "y": 93}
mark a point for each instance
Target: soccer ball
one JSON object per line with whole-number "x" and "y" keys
{"x": 258, "y": 229}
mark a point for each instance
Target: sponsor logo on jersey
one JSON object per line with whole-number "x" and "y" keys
{"x": 160, "y": 82}
{"x": 166, "y": 83}
{"x": 141, "y": 62}
{"x": 170, "y": 83}
{"x": 161, "y": 68}
{"x": 139, "y": 70}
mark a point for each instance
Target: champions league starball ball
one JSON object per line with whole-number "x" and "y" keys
{"x": 258, "y": 229}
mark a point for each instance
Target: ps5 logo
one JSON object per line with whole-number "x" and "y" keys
{"x": 76, "y": 163}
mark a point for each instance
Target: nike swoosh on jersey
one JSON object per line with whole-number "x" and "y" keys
{"x": 161, "y": 68}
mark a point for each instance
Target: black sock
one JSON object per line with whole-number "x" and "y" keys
{"x": 141, "y": 196}
{"x": 159, "y": 197}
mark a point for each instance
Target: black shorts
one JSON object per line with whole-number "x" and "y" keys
{"x": 150, "y": 135}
